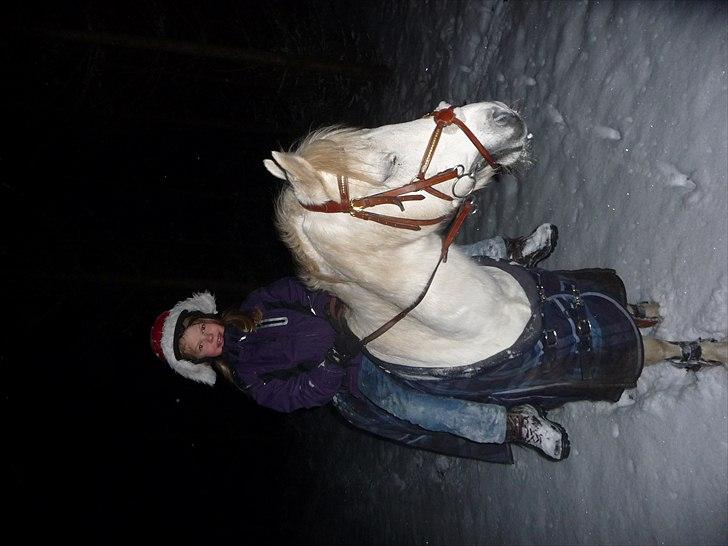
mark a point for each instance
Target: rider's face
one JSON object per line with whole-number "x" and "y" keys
{"x": 202, "y": 339}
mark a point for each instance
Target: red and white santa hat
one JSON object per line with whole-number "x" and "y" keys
{"x": 167, "y": 329}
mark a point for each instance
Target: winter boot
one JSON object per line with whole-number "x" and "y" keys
{"x": 528, "y": 426}
{"x": 534, "y": 248}
{"x": 692, "y": 357}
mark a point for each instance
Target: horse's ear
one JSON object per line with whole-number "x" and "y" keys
{"x": 274, "y": 169}
{"x": 290, "y": 167}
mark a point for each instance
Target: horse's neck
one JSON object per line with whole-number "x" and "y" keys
{"x": 468, "y": 311}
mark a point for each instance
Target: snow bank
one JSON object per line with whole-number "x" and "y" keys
{"x": 627, "y": 102}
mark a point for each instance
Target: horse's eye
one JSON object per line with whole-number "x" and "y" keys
{"x": 393, "y": 160}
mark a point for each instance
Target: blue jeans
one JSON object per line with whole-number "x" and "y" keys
{"x": 494, "y": 248}
{"x": 485, "y": 423}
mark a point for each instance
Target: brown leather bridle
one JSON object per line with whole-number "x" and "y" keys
{"x": 355, "y": 207}
{"x": 397, "y": 196}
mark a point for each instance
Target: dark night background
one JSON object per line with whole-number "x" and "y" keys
{"x": 132, "y": 176}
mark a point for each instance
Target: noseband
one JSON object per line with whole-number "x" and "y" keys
{"x": 442, "y": 118}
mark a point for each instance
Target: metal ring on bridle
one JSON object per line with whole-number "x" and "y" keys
{"x": 460, "y": 177}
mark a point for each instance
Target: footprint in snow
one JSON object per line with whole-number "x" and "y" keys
{"x": 554, "y": 115}
{"x": 607, "y": 133}
{"x": 674, "y": 177}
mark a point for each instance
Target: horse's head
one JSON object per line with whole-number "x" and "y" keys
{"x": 500, "y": 130}
{"x": 419, "y": 170}
{"x": 392, "y": 156}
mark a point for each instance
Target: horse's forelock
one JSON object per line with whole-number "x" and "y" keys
{"x": 338, "y": 150}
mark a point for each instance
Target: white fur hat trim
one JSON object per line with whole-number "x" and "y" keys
{"x": 205, "y": 303}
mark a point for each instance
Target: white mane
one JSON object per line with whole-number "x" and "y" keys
{"x": 329, "y": 150}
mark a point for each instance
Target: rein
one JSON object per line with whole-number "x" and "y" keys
{"x": 355, "y": 207}
{"x": 465, "y": 209}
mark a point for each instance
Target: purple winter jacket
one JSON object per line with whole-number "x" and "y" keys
{"x": 282, "y": 364}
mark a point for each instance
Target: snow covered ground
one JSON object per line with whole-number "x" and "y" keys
{"x": 627, "y": 104}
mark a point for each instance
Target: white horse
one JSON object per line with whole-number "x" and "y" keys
{"x": 380, "y": 270}
{"x": 469, "y": 312}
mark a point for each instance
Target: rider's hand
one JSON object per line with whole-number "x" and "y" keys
{"x": 346, "y": 346}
